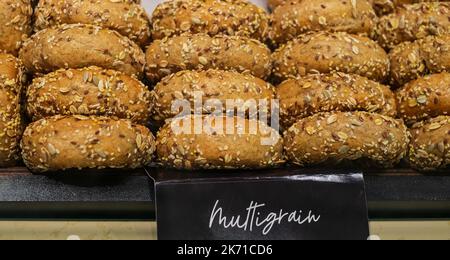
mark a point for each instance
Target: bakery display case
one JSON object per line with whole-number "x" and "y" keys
{"x": 121, "y": 116}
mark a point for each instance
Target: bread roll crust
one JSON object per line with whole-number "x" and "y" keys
{"x": 413, "y": 22}
{"x": 326, "y": 52}
{"x": 89, "y": 91}
{"x": 11, "y": 127}
{"x": 429, "y": 149}
{"x": 333, "y": 138}
{"x": 412, "y": 60}
{"x": 300, "y": 98}
{"x": 213, "y": 150}
{"x": 213, "y": 17}
{"x": 210, "y": 84}
{"x": 11, "y": 73}
{"x": 424, "y": 98}
{"x": 89, "y": 142}
{"x": 15, "y": 21}
{"x": 78, "y": 46}
{"x": 202, "y": 52}
{"x": 127, "y": 18}
{"x": 298, "y": 17}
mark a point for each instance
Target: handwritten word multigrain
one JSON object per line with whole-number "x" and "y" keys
{"x": 254, "y": 219}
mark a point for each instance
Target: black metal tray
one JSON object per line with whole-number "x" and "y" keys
{"x": 112, "y": 195}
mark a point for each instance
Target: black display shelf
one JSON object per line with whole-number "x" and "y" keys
{"x": 112, "y": 195}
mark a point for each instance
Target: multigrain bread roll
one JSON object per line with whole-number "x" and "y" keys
{"x": 79, "y": 46}
{"x": 15, "y": 24}
{"x": 424, "y": 98}
{"x": 200, "y": 51}
{"x": 78, "y": 142}
{"x": 89, "y": 91}
{"x": 326, "y": 52}
{"x": 413, "y": 22}
{"x": 412, "y": 60}
{"x": 213, "y": 17}
{"x": 11, "y": 73}
{"x": 313, "y": 94}
{"x": 210, "y": 86}
{"x": 384, "y": 7}
{"x": 334, "y": 138}
{"x": 127, "y": 18}
{"x": 381, "y": 7}
{"x": 223, "y": 144}
{"x": 299, "y": 17}
{"x": 11, "y": 126}
{"x": 430, "y": 144}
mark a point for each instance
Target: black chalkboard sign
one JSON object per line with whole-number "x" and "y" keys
{"x": 261, "y": 205}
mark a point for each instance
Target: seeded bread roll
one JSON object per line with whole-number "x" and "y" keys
{"x": 200, "y": 51}
{"x": 10, "y": 121}
{"x": 381, "y": 7}
{"x": 210, "y": 85}
{"x": 214, "y": 148}
{"x": 413, "y": 22}
{"x": 10, "y": 126}
{"x": 333, "y": 138}
{"x": 298, "y": 17}
{"x": 78, "y": 46}
{"x": 407, "y": 63}
{"x": 89, "y": 91}
{"x": 429, "y": 149}
{"x": 11, "y": 73}
{"x": 384, "y": 7}
{"x": 213, "y": 17}
{"x": 127, "y": 18}
{"x": 15, "y": 21}
{"x": 78, "y": 142}
{"x": 325, "y": 52}
{"x": 424, "y": 98}
{"x": 313, "y": 94}
{"x": 412, "y": 60}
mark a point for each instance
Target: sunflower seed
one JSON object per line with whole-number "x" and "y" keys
{"x": 64, "y": 90}
{"x": 52, "y": 150}
{"x": 332, "y": 119}
{"x": 310, "y": 130}
{"x": 203, "y": 60}
{"x": 422, "y": 99}
{"x": 378, "y": 121}
{"x": 139, "y": 142}
{"x": 412, "y": 103}
{"x": 69, "y": 74}
{"x": 343, "y": 136}
{"x": 434, "y": 126}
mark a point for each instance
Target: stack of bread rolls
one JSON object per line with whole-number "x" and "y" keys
{"x": 11, "y": 124}
{"x": 15, "y": 20}
{"x": 335, "y": 60}
{"x": 335, "y": 108}
{"x": 215, "y": 48}
{"x": 358, "y": 81}
{"x": 86, "y": 102}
